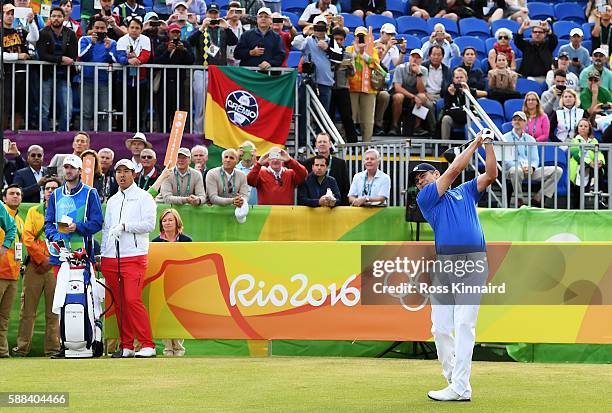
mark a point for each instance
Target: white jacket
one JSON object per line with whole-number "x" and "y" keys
{"x": 136, "y": 209}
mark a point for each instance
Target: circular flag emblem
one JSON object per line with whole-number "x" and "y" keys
{"x": 241, "y": 108}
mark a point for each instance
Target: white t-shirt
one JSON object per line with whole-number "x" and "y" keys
{"x": 571, "y": 80}
{"x": 312, "y": 9}
{"x": 434, "y": 80}
{"x": 392, "y": 54}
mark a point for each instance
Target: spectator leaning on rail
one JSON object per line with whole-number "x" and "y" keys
{"x": 578, "y": 54}
{"x": 537, "y": 53}
{"x": 319, "y": 189}
{"x": 260, "y": 47}
{"x": 187, "y": 185}
{"x": 372, "y": 186}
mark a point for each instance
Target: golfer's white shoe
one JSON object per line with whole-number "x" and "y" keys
{"x": 447, "y": 395}
{"x": 125, "y": 353}
{"x": 146, "y": 352}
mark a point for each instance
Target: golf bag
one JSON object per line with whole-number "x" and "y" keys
{"x": 78, "y": 300}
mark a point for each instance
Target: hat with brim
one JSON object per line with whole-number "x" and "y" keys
{"x": 126, "y": 163}
{"x": 361, "y": 30}
{"x": 8, "y": 7}
{"x": 138, "y": 137}
{"x": 520, "y": 114}
{"x": 185, "y": 152}
{"x": 264, "y": 10}
{"x": 73, "y": 161}
{"x": 422, "y": 167}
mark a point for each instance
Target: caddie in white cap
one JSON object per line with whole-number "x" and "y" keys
{"x": 130, "y": 217}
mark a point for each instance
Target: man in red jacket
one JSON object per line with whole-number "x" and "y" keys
{"x": 276, "y": 183}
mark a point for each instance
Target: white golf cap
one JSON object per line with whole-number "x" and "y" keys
{"x": 265, "y": 10}
{"x": 388, "y": 28}
{"x": 520, "y": 114}
{"x": 417, "y": 51}
{"x": 185, "y": 152}
{"x": 73, "y": 161}
{"x": 576, "y": 32}
{"x": 127, "y": 163}
{"x": 180, "y": 3}
{"x": 601, "y": 51}
{"x": 320, "y": 19}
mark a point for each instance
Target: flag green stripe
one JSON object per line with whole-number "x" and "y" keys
{"x": 282, "y": 93}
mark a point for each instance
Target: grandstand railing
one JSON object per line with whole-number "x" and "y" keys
{"x": 317, "y": 116}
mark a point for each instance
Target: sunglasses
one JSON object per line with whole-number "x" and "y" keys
{"x": 36, "y": 155}
{"x": 147, "y": 157}
{"x": 503, "y": 38}
{"x": 593, "y": 79}
{"x": 538, "y": 32}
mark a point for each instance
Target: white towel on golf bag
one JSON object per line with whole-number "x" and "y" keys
{"x": 61, "y": 289}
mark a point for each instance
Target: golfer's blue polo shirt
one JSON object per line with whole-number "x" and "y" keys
{"x": 453, "y": 217}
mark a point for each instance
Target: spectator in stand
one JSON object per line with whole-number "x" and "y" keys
{"x": 195, "y": 7}
{"x": 69, "y": 22}
{"x": 174, "y": 52}
{"x": 234, "y": 14}
{"x": 225, "y": 184}
{"x": 601, "y": 35}
{"x": 211, "y": 42}
{"x": 431, "y": 8}
{"x": 592, "y": 7}
{"x": 538, "y": 124}
{"x": 537, "y": 53}
{"x": 502, "y": 81}
{"x": 12, "y": 166}
{"x": 260, "y": 46}
{"x": 114, "y": 22}
{"x": 551, "y": 99}
{"x": 439, "y": 37}
{"x": 286, "y": 36}
{"x": 107, "y": 156}
{"x": 363, "y": 8}
{"x": 15, "y": 48}
{"x": 33, "y": 178}
{"x": 314, "y": 45}
{"x": 372, "y": 186}
{"x": 584, "y": 135}
{"x": 516, "y": 10}
{"x": 247, "y": 156}
{"x": 150, "y": 170}
{"x": 37, "y": 279}
{"x": 314, "y": 192}
{"x": 314, "y": 9}
{"x": 526, "y": 162}
{"x": 577, "y": 53}
{"x": 476, "y": 79}
{"x": 464, "y": 8}
{"x": 171, "y": 230}
{"x": 25, "y": 22}
{"x": 188, "y": 21}
{"x": 595, "y": 99}
{"x": 600, "y": 59}
{"x": 502, "y": 45}
{"x": 409, "y": 89}
{"x": 251, "y": 10}
{"x": 563, "y": 121}
{"x": 453, "y": 114}
{"x": 57, "y": 44}
{"x": 98, "y": 178}
{"x": 276, "y": 183}
{"x": 97, "y": 48}
{"x": 199, "y": 158}
{"x": 335, "y": 167}
{"x": 136, "y": 144}
{"x": 187, "y": 187}
{"x": 394, "y": 49}
{"x": 562, "y": 63}
{"x": 12, "y": 228}
{"x": 341, "y": 97}
{"x": 155, "y": 29}
{"x": 439, "y": 75}
{"x": 129, "y": 8}
{"x": 80, "y": 143}
{"x": 134, "y": 49}
{"x": 363, "y": 102}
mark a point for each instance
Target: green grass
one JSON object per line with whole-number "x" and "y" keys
{"x": 295, "y": 384}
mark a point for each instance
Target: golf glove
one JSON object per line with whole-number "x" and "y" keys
{"x": 116, "y": 231}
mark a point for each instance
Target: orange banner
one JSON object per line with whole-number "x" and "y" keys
{"x": 176, "y": 136}
{"x": 89, "y": 169}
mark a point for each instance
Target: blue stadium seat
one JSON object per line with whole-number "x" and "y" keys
{"x": 519, "y": 60}
{"x": 484, "y": 66}
{"x": 517, "y": 51}
{"x": 450, "y": 25}
{"x": 412, "y": 42}
{"x": 571, "y": 12}
{"x": 525, "y": 85}
{"x": 295, "y": 6}
{"x": 540, "y": 11}
{"x": 494, "y": 109}
{"x": 439, "y": 107}
{"x": 511, "y": 106}
{"x": 293, "y": 17}
{"x": 376, "y": 21}
{"x": 350, "y": 39}
{"x": 351, "y": 21}
{"x": 549, "y": 160}
{"x": 506, "y": 127}
{"x": 490, "y": 42}
{"x": 474, "y": 27}
{"x": 294, "y": 58}
{"x": 475, "y": 42}
{"x": 588, "y": 44}
{"x": 505, "y": 23}
{"x": 76, "y": 12}
{"x": 559, "y": 45}
{"x": 397, "y": 7}
{"x": 413, "y": 25}
{"x": 562, "y": 28}
{"x": 223, "y": 4}
{"x": 345, "y": 6}
{"x": 587, "y": 28}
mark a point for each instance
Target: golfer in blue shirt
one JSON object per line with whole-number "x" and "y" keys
{"x": 459, "y": 240}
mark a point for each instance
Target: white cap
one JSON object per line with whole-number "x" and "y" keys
{"x": 180, "y": 3}
{"x": 185, "y": 152}
{"x": 600, "y": 50}
{"x": 388, "y": 28}
{"x": 520, "y": 114}
{"x": 576, "y": 32}
{"x": 73, "y": 161}
{"x": 417, "y": 51}
{"x": 127, "y": 163}
{"x": 264, "y": 10}
{"x": 320, "y": 18}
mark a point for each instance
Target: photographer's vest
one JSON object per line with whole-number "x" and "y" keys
{"x": 74, "y": 206}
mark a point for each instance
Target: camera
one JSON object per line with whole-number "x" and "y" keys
{"x": 175, "y": 41}
{"x": 560, "y": 88}
{"x": 308, "y": 68}
{"x": 101, "y": 35}
{"x": 214, "y": 22}
{"x": 261, "y": 45}
{"x": 360, "y": 38}
{"x": 51, "y": 170}
{"x": 278, "y": 20}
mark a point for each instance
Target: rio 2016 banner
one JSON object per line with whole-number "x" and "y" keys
{"x": 553, "y": 293}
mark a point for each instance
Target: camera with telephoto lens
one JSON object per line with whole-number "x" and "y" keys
{"x": 308, "y": 68}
